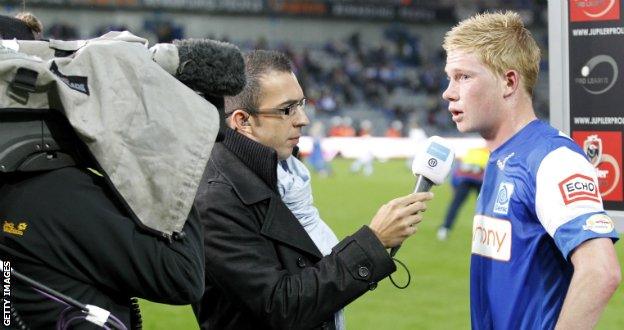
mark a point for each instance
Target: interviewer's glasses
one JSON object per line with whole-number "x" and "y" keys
{"x": 289, "y": 110}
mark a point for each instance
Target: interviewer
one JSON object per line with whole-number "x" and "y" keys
{"x": 271, "y": 261}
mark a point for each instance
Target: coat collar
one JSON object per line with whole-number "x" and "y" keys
{"x": 252, "y": 182}
{"x": 260, "y": 159}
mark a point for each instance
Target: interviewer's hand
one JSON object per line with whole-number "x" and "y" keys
{"x": 396, "y": 220}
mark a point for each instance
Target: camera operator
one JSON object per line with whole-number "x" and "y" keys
{"x": 68, "y": 230}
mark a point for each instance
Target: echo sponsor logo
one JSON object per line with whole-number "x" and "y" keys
{"x": 491, "y": 237}
{"x": 594, "y": 10}
{"x": 598, "y": 75}
{"x": 578, "y": 187}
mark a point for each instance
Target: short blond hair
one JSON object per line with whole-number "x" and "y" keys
{"x": 501, "y": 42}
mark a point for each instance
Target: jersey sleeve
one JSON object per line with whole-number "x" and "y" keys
{"x": 568, "y": 202}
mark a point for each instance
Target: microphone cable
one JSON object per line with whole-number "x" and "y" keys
{"x": 409, "y": 276}
{"x": 74, "y": 310}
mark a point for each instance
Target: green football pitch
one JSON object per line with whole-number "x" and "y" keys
{"x": 438, "y": 296}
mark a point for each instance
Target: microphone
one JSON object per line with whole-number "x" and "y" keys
{"x": 212, "y": 68}
{"x": 207, "y": 66}
{"x": 432, "y": 163}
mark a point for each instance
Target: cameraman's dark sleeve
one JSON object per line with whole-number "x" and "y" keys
{"x": 89, "y": 237}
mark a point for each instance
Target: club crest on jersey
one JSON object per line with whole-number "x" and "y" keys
{"x": 593, "y": 149}
{"x": 599, "y": 223}
{"x": 579, "y": 187}
{"x": 505, "y": 190}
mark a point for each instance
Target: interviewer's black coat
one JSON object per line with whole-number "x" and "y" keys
{"x": 262, "y": 269}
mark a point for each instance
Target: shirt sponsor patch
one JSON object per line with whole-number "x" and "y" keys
{"x": 578, "y": 187}
{"x": 491, "y": 237}
{"x": 599, "y": 223}
{"x": 505, "y": 190}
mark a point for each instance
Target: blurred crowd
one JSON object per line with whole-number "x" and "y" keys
{"x": 383, "y": 89}
{"x": 394, "y": 84}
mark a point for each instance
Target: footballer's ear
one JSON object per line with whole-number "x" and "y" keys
{"x": 511, "y": 82}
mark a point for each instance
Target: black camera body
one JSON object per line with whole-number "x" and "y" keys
{"x": 35, "y": 140}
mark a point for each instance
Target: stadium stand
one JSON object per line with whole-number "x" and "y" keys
{"x": 353, "y": 60}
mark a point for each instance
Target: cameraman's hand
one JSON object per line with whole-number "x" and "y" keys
{"x": 396, "y": 220}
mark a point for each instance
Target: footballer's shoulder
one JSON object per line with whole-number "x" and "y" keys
{"x": 556, "y": 148}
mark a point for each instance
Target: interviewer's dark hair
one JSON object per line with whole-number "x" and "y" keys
{"x": 257, "y": 64}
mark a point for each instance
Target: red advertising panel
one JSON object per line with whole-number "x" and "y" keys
{"x": 594, "y": 10}
{"x": 604, "y": 150}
